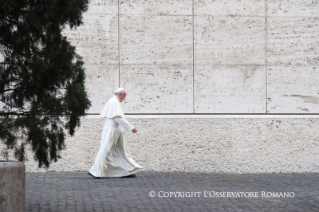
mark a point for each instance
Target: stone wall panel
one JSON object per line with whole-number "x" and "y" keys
{"x": 108, "y": 7}
{"x": 292, "y": 8}
{"x": 293, "y": 89}
{"x": 158, "y": 88}
{"x": 152, "y": 7}
{"x": 229, "y": 40}
{"x": 230, "y": 89}
{"x": 97, "y": 42}
{"x": 101, "y": 83}
{"x": 293, "y": 41}
{"x": 156, "y": 39}
{"x": 156, "y": 63}
{"x": 97, "y": 39}
{"x": 229, "y": 7}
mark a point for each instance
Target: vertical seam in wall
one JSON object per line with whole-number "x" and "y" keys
{"x": 266, "y": 59}
{"x": 193, "y": 58}
{"x": 118, "y": 40}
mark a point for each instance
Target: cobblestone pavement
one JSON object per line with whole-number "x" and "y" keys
{"x": 77, "y": 191}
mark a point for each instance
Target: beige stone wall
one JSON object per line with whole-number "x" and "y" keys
{"x": 202, "y": 56}
{"x": 293, "y": 56}
{"x": 252, "y": 144}
{"x": 208, "y": 57}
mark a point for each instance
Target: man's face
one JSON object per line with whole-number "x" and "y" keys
{"x": 121, "y": 96}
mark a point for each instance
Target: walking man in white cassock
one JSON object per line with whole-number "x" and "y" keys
{"x": 114, "y": 157}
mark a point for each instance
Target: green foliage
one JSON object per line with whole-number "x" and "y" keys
{"x": 42, "y": 78}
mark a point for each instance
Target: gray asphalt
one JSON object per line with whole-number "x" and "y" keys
{"x": 172, "y": 191}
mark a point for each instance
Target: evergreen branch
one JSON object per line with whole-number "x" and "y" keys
{"x": 11, "y": 89}
{"x": 39, "y": 63}
{"x": 25, "y": 11}
{"x": 28, "y": 3}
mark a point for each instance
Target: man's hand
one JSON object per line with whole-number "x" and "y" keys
{"x": 134, "y": 130}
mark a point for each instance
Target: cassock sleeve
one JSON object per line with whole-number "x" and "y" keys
{"x": 124, "y": 123}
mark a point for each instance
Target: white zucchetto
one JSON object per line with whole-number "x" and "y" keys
{"x": 119, "y": 90}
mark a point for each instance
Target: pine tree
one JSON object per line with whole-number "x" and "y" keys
{"x": 42, "y": 92}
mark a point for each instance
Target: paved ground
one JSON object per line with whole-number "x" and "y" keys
{"x": 78, "y": 191}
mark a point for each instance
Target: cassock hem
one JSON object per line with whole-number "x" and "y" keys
{"x": 137, "y": 169}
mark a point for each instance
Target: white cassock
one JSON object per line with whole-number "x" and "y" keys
{"x": 114, "y": 157}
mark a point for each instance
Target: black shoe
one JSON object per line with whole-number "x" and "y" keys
{"x": 129, "y": 176}
{"x": 93, "y": 175}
